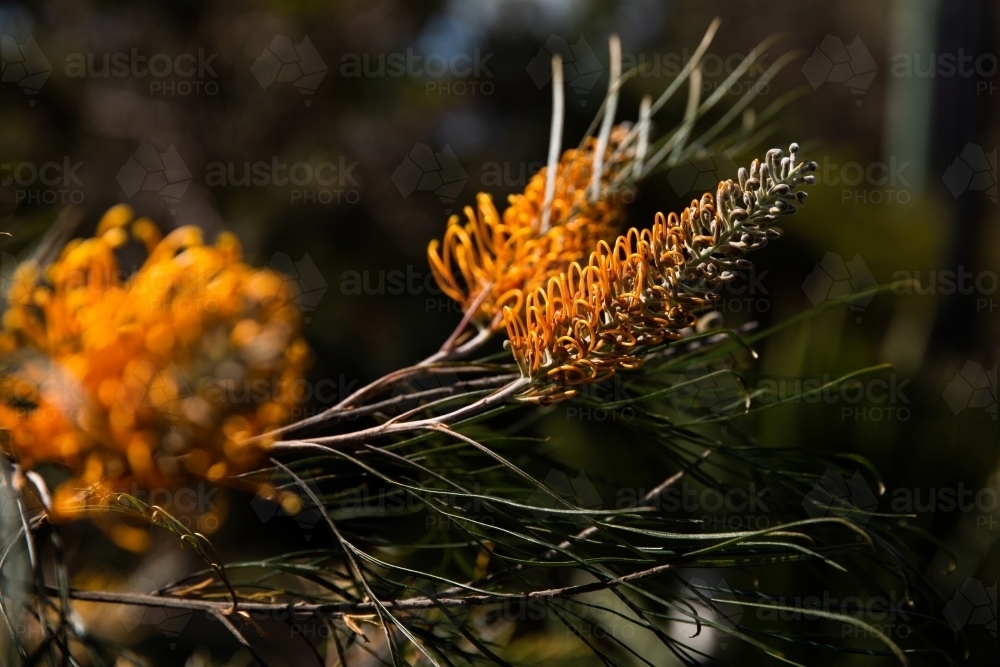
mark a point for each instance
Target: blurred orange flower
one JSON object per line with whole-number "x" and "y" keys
{"x": 149, "y": 378}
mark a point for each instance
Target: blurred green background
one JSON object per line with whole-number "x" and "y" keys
{"x": 365, "y": 124}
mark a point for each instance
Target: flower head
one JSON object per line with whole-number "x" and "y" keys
{"x": 151, "y": 377}
{"x": 592, "y": 320}
{"x": 511, "y": 255}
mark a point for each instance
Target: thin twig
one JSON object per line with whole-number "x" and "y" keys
{"x": 481, "y": 405}
{"x": 344, "y": 407}
{"x": 470, "y": 312}
{"x": 649, "y": 500}
{"x": 373, "y": 408}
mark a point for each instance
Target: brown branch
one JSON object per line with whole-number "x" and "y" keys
{"x": 339, "y": 609}
{"x": 345, "y": 407}
{"x": 448, "y": 348}
{"x": 326, "y": 443}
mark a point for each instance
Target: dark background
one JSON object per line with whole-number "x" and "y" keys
{"x": 346, "y": 239}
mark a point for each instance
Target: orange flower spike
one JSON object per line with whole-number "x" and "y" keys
{"x": 645, "y": 289}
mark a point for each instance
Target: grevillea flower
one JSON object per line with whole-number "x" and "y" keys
{"x": 511, "y": 255}
{"x": 152, "y": 378}
{"x": 591, "y": 321}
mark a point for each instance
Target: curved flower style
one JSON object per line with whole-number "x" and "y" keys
{"x": 593, "y": 320}
{"x": 511, "y": 255}
{"x": 152, "y": 377}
